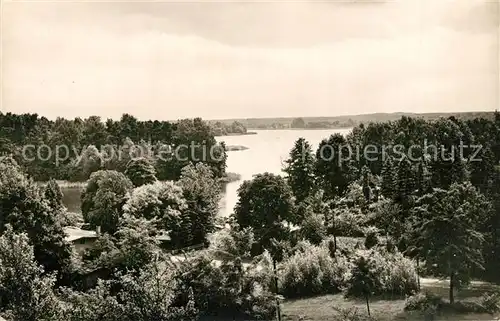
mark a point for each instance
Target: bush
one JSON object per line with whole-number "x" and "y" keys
{"x": 430, "y": 303}
{"x": 392, "y": 274}
{"x": 351, "y": 314}
{"x": 226, "y": 289}
{"x": 424, "y": 301}
{"x": 371, "y": 238}
{"x": 464, "y": 307}
{"x": 390, "y": 245}
{"x": 313, "y": 229}
{"x": 400, "y": 275}
{"x": 491, "y": 302}
{"x": 349, "y": 222}
{"x": 233, "y": 243}
{"x": 312, "y": 271}
{"x": 67, "y": 218}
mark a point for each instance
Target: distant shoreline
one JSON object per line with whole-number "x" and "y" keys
{"x": 228, "y": 178}
{"x": 349, "y": 127}
{"x": 237, "y": 134}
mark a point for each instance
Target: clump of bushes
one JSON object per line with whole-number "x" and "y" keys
{"x": 399, "y": 274}
{"x": 313, "y": 271}
{"x": 391, "y": 274}
{"x": 430, "y": 303}
{"x": 424, "y": 301}
{"x": 233, "y": 242}
{"x": 228, "y": 289}
{"x": 491, "y": 302}
{"x": 349, "y": 222}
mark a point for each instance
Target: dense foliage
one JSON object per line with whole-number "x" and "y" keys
{"x": 337, "y": 221}
{"x": 72, "y": 149}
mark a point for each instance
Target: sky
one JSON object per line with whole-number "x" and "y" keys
{"x": 209, "y": 59}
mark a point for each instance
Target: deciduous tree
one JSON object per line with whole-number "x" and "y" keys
{"x": 103, "y": 199}
{"x": 264, "y": 203}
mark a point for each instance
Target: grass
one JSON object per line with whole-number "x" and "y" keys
{"x": 323, "y": 308}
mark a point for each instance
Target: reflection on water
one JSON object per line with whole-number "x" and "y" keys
{"x": 266, "y": 153}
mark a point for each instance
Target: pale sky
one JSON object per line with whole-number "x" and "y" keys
{"x": 239, "y": 59}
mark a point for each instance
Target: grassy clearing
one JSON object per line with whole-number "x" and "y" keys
{"x": 323, "y": 308}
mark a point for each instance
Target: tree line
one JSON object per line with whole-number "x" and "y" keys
{"x": 93, "y": 144}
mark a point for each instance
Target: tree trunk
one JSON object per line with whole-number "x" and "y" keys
{"x": 334, "y": 245}
{"x": 334, "y": 236}
{"x": 368, "y": 305}
{"x": 418, "y": 274}
{"x": 452, "y": 281}
{"x": 276, "y": 290}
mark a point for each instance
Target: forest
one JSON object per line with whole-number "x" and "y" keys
{"x": 334, "y": 228}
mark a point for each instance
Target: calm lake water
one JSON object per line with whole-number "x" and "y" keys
{"x": 267, "y": 150}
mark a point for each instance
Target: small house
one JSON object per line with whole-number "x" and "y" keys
{"x": 81, "y": 239}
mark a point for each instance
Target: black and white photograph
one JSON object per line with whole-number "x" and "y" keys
{"x": 249, "y": 160}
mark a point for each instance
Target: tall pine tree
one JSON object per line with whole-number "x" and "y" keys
{"x": 299, "y": 168}
{"x": 405, "y": 183}
{"x": 388, "y": 179}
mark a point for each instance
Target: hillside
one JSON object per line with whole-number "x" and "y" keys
{"x": 343, "y": 121}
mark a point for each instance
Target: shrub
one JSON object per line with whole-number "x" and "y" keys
{"x": 67, "y": 218}
{"x": 313, "y": 229}
{"x": 464, "y": 307}
{"x": 430, "y": 303}
{"x": 312, "y": 271}
{"x": 233, "y": 243}
{"x": 226, "y": 289}
{"x": 346, "y": 246}
{"x": 371, "y": 238}
{"x": 393, "y": 274}
{"x": 390, "y": 245}
{"x": 351, "y": 314}
{"x": 349, "y": 222}
{"x": 424, "y": 301}
{"x": 400, "y": 275}
{"x": 491, "y": 302}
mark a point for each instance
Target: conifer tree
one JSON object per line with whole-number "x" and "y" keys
{"x": 362, "y": 282}
{"x": 483, "y": 169}
{"x": 423, "y": 178}
{"x": 446, "y": 232}
{"x": 405, "y": 184}
{"x": 54, "y": 195}
{"x": 299, "y": 168}
{"x": 365, "y": 177}
{"x": 388, "y": 179}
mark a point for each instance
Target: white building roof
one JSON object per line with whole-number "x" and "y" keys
{"x": 74, "y": 233}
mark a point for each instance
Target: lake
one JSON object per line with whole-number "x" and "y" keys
{"x": 267, "y": 150}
